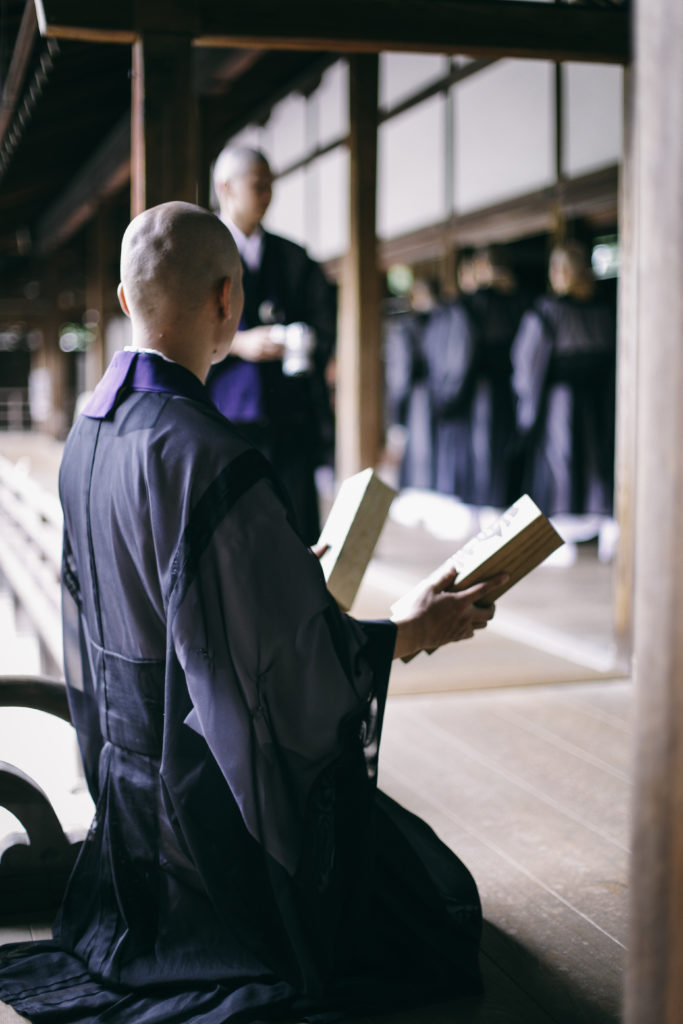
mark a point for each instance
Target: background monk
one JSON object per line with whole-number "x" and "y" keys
{"x": 286, "y": 415}
{"x": 242, "y": 863}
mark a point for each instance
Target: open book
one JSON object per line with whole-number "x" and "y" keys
{"x": 352, "y": 530}
{"x": 515, "y": 543}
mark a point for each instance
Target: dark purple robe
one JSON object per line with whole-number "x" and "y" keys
{"x": 564, "y": 386}
{"x": 450, "y": 351}
{"x": 288, "y": 418}
{"x": 242, "y": 863}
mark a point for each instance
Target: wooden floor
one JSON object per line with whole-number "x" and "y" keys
{"x": 530, "y": 786}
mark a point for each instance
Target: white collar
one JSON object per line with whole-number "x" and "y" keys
{"x": 250, "y": 247}
{"x": 151, "y": 351}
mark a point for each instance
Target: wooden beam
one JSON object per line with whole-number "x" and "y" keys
{"x": 358, "y": 405}
{"x": 164, "y": 139}
{"x": 21, "y": 56}
{"x": 654, "y": 983}
{"x": 480, "y": 28}
{"x": 252, "y": 96}
{"x": 107, "y": 171}
{"x": 625, "y": 468}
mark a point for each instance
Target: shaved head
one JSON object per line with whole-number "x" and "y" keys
{"x": 175, "y": 256}
{"x": 235, "y": 161}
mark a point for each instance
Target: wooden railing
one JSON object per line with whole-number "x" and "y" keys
{"x": 30, "y": 552}
{"x": 34, "y": 867}
{"x": 15, "y": 411}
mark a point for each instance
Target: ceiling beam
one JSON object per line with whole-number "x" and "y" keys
{"x": 21, "y": 56}
{"x": 479, "y": 28}
{"x": 105, "y": 173}
{"x": 250, "y": 98}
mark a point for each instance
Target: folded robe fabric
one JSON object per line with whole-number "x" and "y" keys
{"x": 242, "y": 863}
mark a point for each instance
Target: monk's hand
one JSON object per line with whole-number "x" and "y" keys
{"x": 437, "y": 612}
{"x": 257, "y": 345}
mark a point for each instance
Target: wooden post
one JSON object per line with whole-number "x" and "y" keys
{"x": 627, "y": 406}
{"x": 55, "y": 361}
{"x": 654, "y": 985}
{"x": 163, "y": 122}
{"x": 99, "y": 289}
{"x": 359, "y": 414}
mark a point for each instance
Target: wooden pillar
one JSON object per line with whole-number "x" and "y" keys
{"x": 163, "y": 122}
{"x": 654, "y": 984}
{"x": 99, "y": 290}
{"x": 358, "y": 407}
{"x": 205, "y": 153}
{"x": 627, "y": 390}
{"x": 58, "y": 420}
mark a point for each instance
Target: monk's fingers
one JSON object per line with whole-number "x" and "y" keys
{"x": 478, "y": 591}
{"x": 481, "y": 614}
{"x": 443, "y": 577}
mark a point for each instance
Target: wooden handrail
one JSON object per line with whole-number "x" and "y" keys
{"x": 33, "y": 867}
{"x": 30, "y": 552}
{"x": 36, "y": 692}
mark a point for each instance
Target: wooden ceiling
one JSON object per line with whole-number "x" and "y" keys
{"x": 64, "y": 139}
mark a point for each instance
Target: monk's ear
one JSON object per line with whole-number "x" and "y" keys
{"x": 225, "y": 297}
{"x": 122, "y": 299}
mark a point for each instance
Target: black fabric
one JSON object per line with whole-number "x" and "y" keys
{"x": 288, "y": 418}
{"x": 406, "y": 393}
{"x": 495, "y": 315}
{"x": 450, "y": 348}
{"x": 241, "y": 863}
{"x": 564, "y": 385}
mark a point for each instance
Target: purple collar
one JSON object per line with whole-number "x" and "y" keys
{"x": 142, "y": 371}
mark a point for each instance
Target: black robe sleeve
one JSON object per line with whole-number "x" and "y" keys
{"x": 283, "y": 686}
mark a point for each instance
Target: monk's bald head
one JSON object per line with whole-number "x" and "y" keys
{"x": 173, "y": 257}
{"x": 236, "y": 161}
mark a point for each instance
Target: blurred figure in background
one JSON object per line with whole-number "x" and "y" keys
{"x": 450, "y": 352}
{"x": 272, "y": 385}
{"x": 407, "y": 403}
{"x": 495, "y": 310}
{"x": 564, "y": 385}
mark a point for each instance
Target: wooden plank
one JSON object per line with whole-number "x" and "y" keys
{"x": 654, "y": 990}
{"x": 16, "y": 73}
{"x": 252, "y": 95}
{"x": 164, "y": 139}
{"x": 104, "y": 174}
{"x": 552, "y": 888}
{"x": 358, "y": 402}
{"x": 606, "y": 701}
{"x": 556, "y": 848}
{"x": 485, "y": 28}
{"x": 554, "y": 770}
{"x": 556, "y": 956}
{"x": 627, "y": 389}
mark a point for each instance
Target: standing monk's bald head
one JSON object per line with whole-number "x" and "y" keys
{"x": 173, "y": 257}
{"x": 235, "y": 161}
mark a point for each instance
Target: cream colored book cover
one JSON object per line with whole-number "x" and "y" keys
{"x": 514, "y": 543}
{"x": 352, "y": 530}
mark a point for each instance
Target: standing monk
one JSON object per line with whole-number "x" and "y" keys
{"x": 287, "y": 416}
{"x": 242, "y": 863}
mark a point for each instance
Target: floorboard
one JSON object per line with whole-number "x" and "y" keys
{"x": 531, "y": 789}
